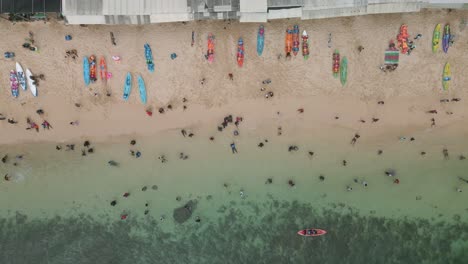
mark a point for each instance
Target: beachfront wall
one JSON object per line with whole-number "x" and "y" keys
{"x": 158, "y": 11}
{"x": 125, "y": 11}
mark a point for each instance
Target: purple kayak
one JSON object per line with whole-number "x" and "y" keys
{"x": 446, "y": 38}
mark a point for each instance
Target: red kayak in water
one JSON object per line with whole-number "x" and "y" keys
{"x": 312, "y": 232}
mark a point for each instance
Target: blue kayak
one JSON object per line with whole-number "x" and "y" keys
{"x": 86, "y": 71}
{"x": 149, "y": 58}
{"x": 260, "y": 40}
{"x": 142, "y": 87}
{"x": 127, "y": 87}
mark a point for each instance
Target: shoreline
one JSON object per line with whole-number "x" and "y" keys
{"x": 398, "y": 117}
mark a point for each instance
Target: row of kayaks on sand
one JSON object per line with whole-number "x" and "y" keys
{"x": 340, "y": 67}
{"x": 90, "y": 74}
{"x": 90, "y": 69}
{"x": 438, "y": 37}
{"x": 446, "y": 38}
{"x": 19, "y": 78}
{"x": 128, "y": 88}
{"x": 292, "y": 44}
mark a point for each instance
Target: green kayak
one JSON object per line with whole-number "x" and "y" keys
{"x": 344, "y": 71}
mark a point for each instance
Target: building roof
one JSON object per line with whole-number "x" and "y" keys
{"x": 30, "y": 6}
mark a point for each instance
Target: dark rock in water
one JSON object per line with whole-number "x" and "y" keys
{"x": 154, "y": 187}
{"x": 183, "y": 213}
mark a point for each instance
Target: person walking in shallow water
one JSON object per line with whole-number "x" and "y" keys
{"x": 233, "y": 148}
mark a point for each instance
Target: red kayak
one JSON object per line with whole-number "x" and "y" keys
{"x": 312, "y": 232}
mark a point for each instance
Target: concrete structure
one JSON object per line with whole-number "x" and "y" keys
{"x": 157, "y": 11}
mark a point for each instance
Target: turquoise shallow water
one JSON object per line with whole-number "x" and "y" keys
{"x": 57, "y": 207}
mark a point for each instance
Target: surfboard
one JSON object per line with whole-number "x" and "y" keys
{"x": 31, "y": 82}
{"x": 142, "y": 88}
{"x": 20, "y": 75}
{"x": 86, "y": 71}
{"x": 128, "y": 86}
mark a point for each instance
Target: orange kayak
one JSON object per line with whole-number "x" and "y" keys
{"x": 312, "y": 232}
{"x": 403, "y": 39}
{"x": 103, "y": 68}
{"x": 288, "y": 41}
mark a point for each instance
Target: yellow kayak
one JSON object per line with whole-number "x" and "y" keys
{"x": 446, "y": 77}
{"x": 436, "y": 39}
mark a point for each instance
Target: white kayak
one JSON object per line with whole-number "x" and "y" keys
{"x": 20, "y": 75}
{"x": 31, "y": 83}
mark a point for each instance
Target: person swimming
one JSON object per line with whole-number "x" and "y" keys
{"x": 113, "y": 163}
{"x": 242, "y": 194}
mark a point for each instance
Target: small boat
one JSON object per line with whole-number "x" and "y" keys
{"x": 20, "y": 76}
{"x": 295, "y": 46}
{"x": 336, "y": 63}
{"x": 288, "y": 42}
{"x": 260, "y": 40}
{"x": 103, "y": 68}
{"x": 305, "y": 45}
{"x": 344, "y": 71}
{"x": 127, "y": 87}
{"x": 313, "y": 232}
{"x": 402, "y": 38}
{"x": 14, "y": 83}
{"x": 210, "y": 50}
{"x": 149, "y": 58}
{"x": 446, "y": 76}
{"x": 31, "y": 82}
{"x": 86, "y": 70}
{"x": 240, "y": 52}
{"x": 436, "y": 39}
{"x": 92, "y": 68}
{"x": 142, "y": 88}
{"x": 446, "y": 38}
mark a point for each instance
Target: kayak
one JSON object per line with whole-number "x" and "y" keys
{"x": 149, "y": 58}
{"x": 313, "y": 232}
{"x": 240, "y": 52}
{"x": 92, "y": 68}
{"x": 446, "y": 76}
{"x": 14, "y": 83}
{"x": 402, "y": 38}
{"x": 288, "y": 42}
{"x": 305, "y": 45}
{"x": 31, "y": 82}
{"x": 20, "y": 76}
{"x": 260, "y": 40}
{"x": 436, "y": 39}
{"x": 344, "y": 71}
{"x": 446, "y": 38}
{"x": 142, "y": 87}
{"x": 86, "y": 70}
{"x": 295, "y": 36}
{"x": 210, "y": 50}
{"x": 127, "y": 87}
{"x": 336, "y": 63}
{"x": 103, "y": 68}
